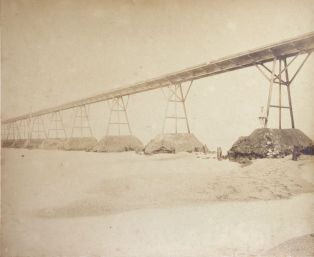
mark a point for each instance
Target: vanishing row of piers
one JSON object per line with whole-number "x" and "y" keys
{"x": 274, "y": 63}
{"x": 118, "y": 123}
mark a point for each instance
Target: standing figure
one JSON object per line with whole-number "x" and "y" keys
{"x": 219, "y": 153}
{"x": 262, "y": 118}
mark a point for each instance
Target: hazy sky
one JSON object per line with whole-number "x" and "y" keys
{"x": 57, "y": 51}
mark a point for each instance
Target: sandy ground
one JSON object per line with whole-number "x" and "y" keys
{"x": 58, "y": 203}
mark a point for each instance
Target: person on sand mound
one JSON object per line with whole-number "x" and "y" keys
{"x": 296, "y": 153}
{"x": 219, "y": 153}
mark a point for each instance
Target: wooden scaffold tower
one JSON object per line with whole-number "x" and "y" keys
{"x": 176, "y": 109}
{"x": 38, "y": 130}
{"x": 81, "y": 126}
{"x": 13, "y": 131}
{"x": 280, "y": 77}
{"x": 56, "y": 129}
{"x": 118, "y": 122}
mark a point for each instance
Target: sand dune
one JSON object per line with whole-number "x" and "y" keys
{"x": 123, "y": 204}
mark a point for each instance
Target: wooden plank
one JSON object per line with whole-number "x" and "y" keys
{"x": 287, "y": 48}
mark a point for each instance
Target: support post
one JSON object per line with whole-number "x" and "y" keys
{"x": 279, "y": 94}
{"x": 37, "y": 128}
{"x": 13, "y": 131}
{"x": 81, "y": 122}
{"x": 24, "y": 129}
{"x": 56, "y": 125}
{"x": 8, "y": 131}
{"x": 4, "y": 131}
{"x": 176, "y": 98}
{"x": 289, "y": 94}
{"x": 270, "y": 91}
{"x": 276, "y": 79}
{"x": 118, "y": 117}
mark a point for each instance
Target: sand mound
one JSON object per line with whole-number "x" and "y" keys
{"x": 19, "y": 143}
{"x": 296, "y": 247}
{"x": 80, "y": 143}
{"x": 271, "y": 143}
{"x": 173, "y": 143}
{"x": 53, "y": 143}
{"x": 118, "y": 144}
{"x": 7, "y": 142}
{"x": 33, "y": 143}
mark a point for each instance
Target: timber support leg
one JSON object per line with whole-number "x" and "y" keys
{"x": 24, "y": 128}
{"x": 118, "y": 117}
{"x": 13, "y": 131}
{"x": 176, "y": 109}
{"x": 38, "y": 129}
{"x": 4, "y": 131}
{"x": 280, "y": 78}
{"x": 56, "y": 128}
{"x": 81, "y": 123}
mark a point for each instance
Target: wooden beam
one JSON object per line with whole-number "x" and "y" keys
{"x": 287, "y": 48}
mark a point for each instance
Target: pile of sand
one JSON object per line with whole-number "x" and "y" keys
{"x": 296, "y": 247}
{"x": 80, "y": 143}
{"x": 7, "y": 142}
{"x": 173, "y": 143}
{"x": 119, "y": 144}
{"x": 19, "y": 143}
{"x": 33, "y": 143}
{"x": 53, "y": 144}
{"x": 269, "y": 143}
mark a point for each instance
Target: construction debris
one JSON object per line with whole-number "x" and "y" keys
{"x": 173, "y": 143}
{"x": 119, "y": 144}
{"x": 269, "y": 143}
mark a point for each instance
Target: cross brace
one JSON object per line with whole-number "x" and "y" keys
{"x": 24, "y": 127}
{"x": 13, "y": 131}
{"x": 177, "y": 98}
{"x": 118, "y": 117}
{"x": 81, "y": 122}
{"x": 37, "y": 128}
{"x": 56, "y": 125}
{"x": 280, "y": 78}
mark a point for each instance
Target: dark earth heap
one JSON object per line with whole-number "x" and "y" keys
{"x": 271, "y": 143}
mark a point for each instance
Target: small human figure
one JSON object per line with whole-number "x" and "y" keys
{"x": 219, "y": 153}
{"x": 295, "y": 153}
{"x": 262, "y": 118}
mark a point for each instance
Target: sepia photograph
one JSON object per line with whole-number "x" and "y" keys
{"x": 157, "y": 128}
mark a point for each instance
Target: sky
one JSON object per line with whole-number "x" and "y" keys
{"x": 57, "y": 51}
